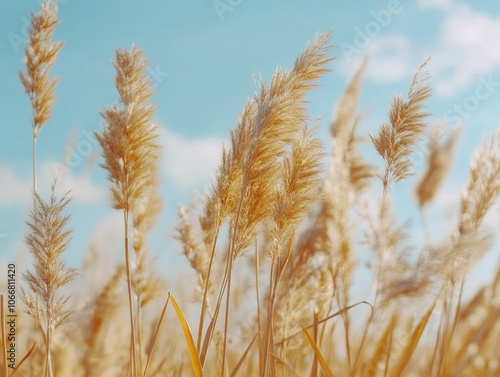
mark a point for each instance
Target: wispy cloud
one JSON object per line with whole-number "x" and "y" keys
{"x": 391, "y": 59}
{"x": 16, "y": 189}
{"x": 463, "y": 49}
{"x": 437, "y": 4}
{"x": 190, "y": 163}
{"x": 13, "y": 189}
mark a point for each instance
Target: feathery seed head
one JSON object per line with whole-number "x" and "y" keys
{"x": 129, "y": 141}
{"x": 483, "y": 187}
{"x": 47, "y": 240}
{"x": 41, "y": 54}
{"x": 439, "y": 162}
{"x": 395, "y": 141}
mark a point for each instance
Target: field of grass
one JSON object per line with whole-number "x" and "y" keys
{"x": 274, "y": 247}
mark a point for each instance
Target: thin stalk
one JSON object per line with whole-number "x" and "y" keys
{"x": 449, "y": 337}
{"x": 257, "y": 284}
{"x": 314, "y": 371}
{"x": 210, "y": 330}
{"x": 437, "y": 344}
{"x": 130, "y": 299}
{"x": 139, "y": 336}
{"x": 388, "y": 356}
{"x": 269, "y": 326}
{"x": 48, "y": 356}
{"x": 324, "y": 320}
{"x": 205, "y": 291}
{"x": 357, "y": 360}
{"x": 345, "y": 319}
{"x": 34, "y": 164}
{"x": 229, "y": 271}
{"x": 156, "y": 336}
{"x": 275, "y": 277}
{"x": 446, "y": 324}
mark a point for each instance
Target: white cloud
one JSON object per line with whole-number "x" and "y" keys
{"x": 81, "y": 188}
{"x": 12, "y": 188}
{"x": 190, "y": 163}
{"x": 461, "y": 53}
{"x": 17, "y": 190}
{"x": 465, "y": 48}
{"x": 438, "y": 4}
{"x": 390, "y": 58}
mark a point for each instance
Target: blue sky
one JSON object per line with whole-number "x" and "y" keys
{"x": 202, "y": 56}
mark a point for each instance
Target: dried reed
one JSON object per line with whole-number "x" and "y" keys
{"x": 41, "y": 54}
{"x": 131, "y": 151}
{"x": 439, "y": 162}
{"x": 47, "y": 240}
{"x": 395, "y": 142}
{"x": 268, "y": 188}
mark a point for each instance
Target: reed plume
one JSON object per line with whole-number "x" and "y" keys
{"x": 278, "y": 114}
{"x": 297, "y": 189}
{"x": 295, "y": 193}
{"x": 438, "y": 164}
{"x": 395, "y": 142}
{"x": 130, "y": 151}
{"x": 269, "y": 195}
{"x": 268, "y": 123}
{"x": 41, "y": 54}
{"x": 47, "y": 240}
{"x": 129, "y": 140}
{"x": 197, "y": 254}
{"x": 104, "y": 307}
{"x": 484, "y": 185}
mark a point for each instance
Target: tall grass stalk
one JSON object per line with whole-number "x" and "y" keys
{"x": 47, "y": 240}
{"x": 288, "y": 303}
{"x": 41, "y": 54}
{"x": 130, "y": 151}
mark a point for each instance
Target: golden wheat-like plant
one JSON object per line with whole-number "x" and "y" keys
{"x": 484, "y": 185}
{"x": 439, "y": 162}
{"x": 395, "y": 141}
{"x": 130, "y": 149}
{"x": 41, "y": 54}
{"x": 47, "y": 240}
{"x": 270, "y": 195}
{"x": 104, "y": 307}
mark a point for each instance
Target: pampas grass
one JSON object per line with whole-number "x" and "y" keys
{"x": 274, "y": 249}
{"x": 395, "y": 142}
{"x": 41, "y": 54}
{"x": 439, "y": 162}
{"x": 131, "y": 151}
{"x": 47, "y": 240}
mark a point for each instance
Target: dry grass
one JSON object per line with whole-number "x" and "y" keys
{"x": 273, "y": 249}
{"x": 41, "y": 54}
{"x": 439, "y": 162}
{"x": 131, "y": 152}
{"x": 47, "y": 240}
